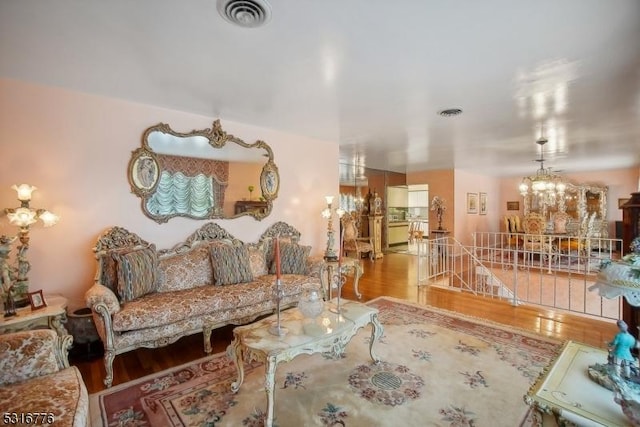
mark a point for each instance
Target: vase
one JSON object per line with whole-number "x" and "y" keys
{"x": 311, "y": 304}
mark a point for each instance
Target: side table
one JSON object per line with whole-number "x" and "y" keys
{"x": 328, "y": 273}
{"x": 566, "y": 392}
{"x": 53, "y": 316}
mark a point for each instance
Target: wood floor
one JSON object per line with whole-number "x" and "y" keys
{"x": 393, "y": 275}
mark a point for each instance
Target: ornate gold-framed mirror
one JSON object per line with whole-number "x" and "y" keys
{"x": 202, "y": 174}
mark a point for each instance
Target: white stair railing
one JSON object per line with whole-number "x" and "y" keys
{"x": 500, "y": 266}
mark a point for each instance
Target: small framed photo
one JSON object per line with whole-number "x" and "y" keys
{"x": 483, "y": 203}
{"x": 37, "y": 300}
{"x": 472, "y": 203}
{"x": 622, "y": 202}
{"x": 513, "y": 206}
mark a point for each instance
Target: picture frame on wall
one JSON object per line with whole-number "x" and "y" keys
{"x": 472, "y": 203}
{"x": 513, "y": 206}
{"x": 483, "y": 203}
{"x": 36, "y": 299}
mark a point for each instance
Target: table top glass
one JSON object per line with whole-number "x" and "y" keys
{"x": 302, "y": 331}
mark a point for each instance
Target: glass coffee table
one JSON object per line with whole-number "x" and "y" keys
{"x": 328, "y": 333}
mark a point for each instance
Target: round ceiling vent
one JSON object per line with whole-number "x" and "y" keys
{"x": 450, "y": 112}
{"x": 245, "y": 13}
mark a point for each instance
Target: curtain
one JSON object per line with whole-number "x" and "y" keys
{"x": 180, "y": 194}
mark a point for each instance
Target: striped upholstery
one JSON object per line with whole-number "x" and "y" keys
{"x": 293, "y": 259}
{"x": 137, "y": 271}
{"x": 230, "y": 264}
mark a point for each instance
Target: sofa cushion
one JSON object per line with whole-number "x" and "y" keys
{"x": 137, "y": 272}
{"x": 62, "y": 394}
{"x": 230, "y": 264}
{"x": 142, "y": 314}
{"x": 186, "y": 270}
{"x": 293, "y": 259}
{"x": 26, "y": 355}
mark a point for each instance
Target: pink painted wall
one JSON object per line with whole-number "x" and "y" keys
{"x": 467, "y": 224}
{"x": 441, "y": 183}
{"x": 76, "y": 147}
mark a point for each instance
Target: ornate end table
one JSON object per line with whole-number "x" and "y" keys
{"x": 328, "y": 333}
{"x": 329, "y": 271}
{"x": 566, "y": 392}
{"x": 53, "y": 316}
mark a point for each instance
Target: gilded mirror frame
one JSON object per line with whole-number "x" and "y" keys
{"x": 144, "y": 171}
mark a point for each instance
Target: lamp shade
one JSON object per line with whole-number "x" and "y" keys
{"x": 329, "y": 199}
{"x": 49, "y": 219}
{"x": 22, "y": 217}
{"x": 24, "y": 191}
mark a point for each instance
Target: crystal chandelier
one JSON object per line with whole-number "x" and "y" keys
{"x": 546, "y": 186}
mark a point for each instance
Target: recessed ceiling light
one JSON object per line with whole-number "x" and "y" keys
{"x": 449, "y": 112}
{"x": 245, "y": 13}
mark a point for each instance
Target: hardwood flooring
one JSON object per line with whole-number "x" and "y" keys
{"x": 393, "y": 275}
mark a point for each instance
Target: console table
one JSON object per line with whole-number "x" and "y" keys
{"x": 566, "y": 392}
{"x": 53, "y": 316}
{"x": 250, "y": 205}
{"x": 330, "y": 332}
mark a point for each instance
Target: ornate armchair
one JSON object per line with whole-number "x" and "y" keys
{"x": 560, "y": 220}
{"x": 352, "y": 241}
{"x": 533, "y": 239}
{"x": 513, "y": 228}
{"x": 35, "y": 376}
{"x": 582, "y": 242}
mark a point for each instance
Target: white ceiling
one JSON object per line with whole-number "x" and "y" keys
{"x": 370, "y": 74}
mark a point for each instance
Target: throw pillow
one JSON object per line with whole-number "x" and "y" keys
{"x": 186, "y": 270}
{"x": 230, "y": 264}
{"x": 270, "y": 247}
{"x": 293, "y": 259}
{"x": 257, "y": 260}
{"x": 137, "y": 271}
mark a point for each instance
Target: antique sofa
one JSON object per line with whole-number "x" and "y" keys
{"x": 37, "y": 385}
{"x": 143, "y": 297}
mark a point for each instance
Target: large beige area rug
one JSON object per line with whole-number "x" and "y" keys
{"x": 438, "y": 368}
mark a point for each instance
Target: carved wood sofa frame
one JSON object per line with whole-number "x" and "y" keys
{"x": 105, "y": 304}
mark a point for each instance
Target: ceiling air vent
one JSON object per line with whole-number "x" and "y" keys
{"x": 449, "y": 112}
{"x": 245, "y": 13}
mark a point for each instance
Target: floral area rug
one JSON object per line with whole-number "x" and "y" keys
{"x": 438, "y": 368}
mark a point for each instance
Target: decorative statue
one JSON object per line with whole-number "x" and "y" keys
{"x": 437, "y": 205}
{"x": 5, "y": 276}
{"x": 376, "y": 207}
{"x": 620, "y": 350}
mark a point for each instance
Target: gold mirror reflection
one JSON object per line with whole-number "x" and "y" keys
{"x": 202, "y": 174}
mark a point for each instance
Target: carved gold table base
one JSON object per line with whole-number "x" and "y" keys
{"x": 329, "y": 333}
